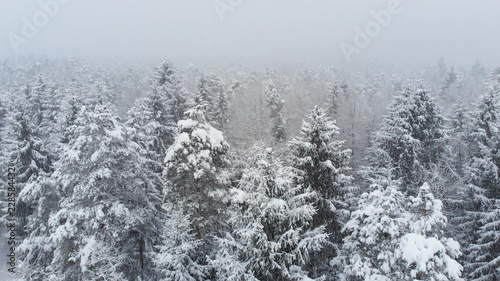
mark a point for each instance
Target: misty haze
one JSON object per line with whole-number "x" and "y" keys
{"x": 236, "y": 140}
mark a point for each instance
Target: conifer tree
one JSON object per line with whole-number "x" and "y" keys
{"x": 372, "y": 235}
{"x": 27, "y": 153}
{"x": 451, "y": 78}
{"x": 192, "y": 169}
{"x": 107, "y": 223}
{"x": 154, "y": 118}
{"x": 454, "y": 191}
{"x": 458, "y": 131}
{"x": 411, "y": 139}
{"x": 275, "y": 104}
{"x": 387, "y": 241}
{"x": 37, "y": 248}
{"x": 483, "y": 172}
{"x": 272, "y": 237}
{"x": 176, "y": 259}
{"x": 333, "y": 97}
{"x": 155, "y": 126}
{"x": 203, "y": 95}
{"x": 221, "y": 111}
{"x": 425, "y": 251}
{"x": 213, "y": 97}
{"x": 477, "y": 70}
{"x": 322, "y": 167}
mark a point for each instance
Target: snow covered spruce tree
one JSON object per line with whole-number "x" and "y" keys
{"x": 271, "y": 237}
{"x": 176, "y": 259}
{"x": 70, "y": 108}
{"x": 155, "y": 116}
{"x": 27, "y": 153}
{"x": 385, "y": 241}
{"x": 169, "y": 83}
{"x": 107, "y": 223}
{"x": 37, "y": 97}
{"x": 458, "y": 131}
{"x": 450, "y": 79}
{"x": 43, "y": 196}
{"x": 322, "y": 167}
{"x": 477, "y": 70}
{"x": 41, "y": 102}
{"x": 192, "y": 168}
{"x": 275, "y": 104}
{"x": 411, "y": 139}
{"x": 221, "y": 111}
{"x": 483, "y": 170}
{"x": 425, "y": 252}
{"x": 154, "y": 119}
{"x": 155, "y": 126}
{"x": 373, "y": 234}
{"x": 454, "y": 190}
{"x": 333, "y": 97}
{"x": 203, "y": 95}
{"x": 36, "y": 252}
{"x": 212, "y": 95}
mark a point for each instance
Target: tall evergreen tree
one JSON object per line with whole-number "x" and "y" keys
{"x": 372, "y": 235}
{"x": 154, "y": 119}
{"x": 192, "y": 168}
{"x": 42, "y": 108}
{"x": 272, "y": 237}
{"x": 451, "y": 78}
{"x": 37, "y": 248}
{"x": 169, "y": 83}
{"x": 477, "y": 70}
{"x": 454, "y": 190}
{"x": 221, "y": 111}
{"x": 484, "y": 181}
{"x": 411, "y": 139}
{"x": 203, "y": 95}
{"x": 176, "y": 259}
{"x": 155, "y": 116}
{"x": 322, "y": 166}
{"x": 275, "y": 104}
{"x": 70, "y": 108}
{"x": 107, "y": 223}
{"x": 458, "y": 131}
{"x": 154, "y": 125}
{"x": 386, "y": 241}
{"x": 333, "y": 96}
{"x": 213, "y": 97}
{"x": 427, "y": 253}
{"x": 27, "y": 153}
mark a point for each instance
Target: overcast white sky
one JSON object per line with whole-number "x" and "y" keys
{"x": 256, "y": 31}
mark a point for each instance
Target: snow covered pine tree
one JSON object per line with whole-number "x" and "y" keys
{"x": 411, "y": 139}
{"x": 272, "y": 237}
{"x": 109, "y": 212}
{"x": 275, "y": 104}
{"x": 483, "y": 170}
{"x": 192, "y": 167}
{"x": 322, "y": 166}
{"x": 387, "y": 242}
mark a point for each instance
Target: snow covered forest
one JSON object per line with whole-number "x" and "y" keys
{"x": 285, "y": 172}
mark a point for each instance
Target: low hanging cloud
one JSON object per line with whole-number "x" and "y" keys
{"x": 254, "y": 32}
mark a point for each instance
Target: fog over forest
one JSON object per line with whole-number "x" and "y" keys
{"x": 257, "y": 32}
{"x": 245, "y": 140}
